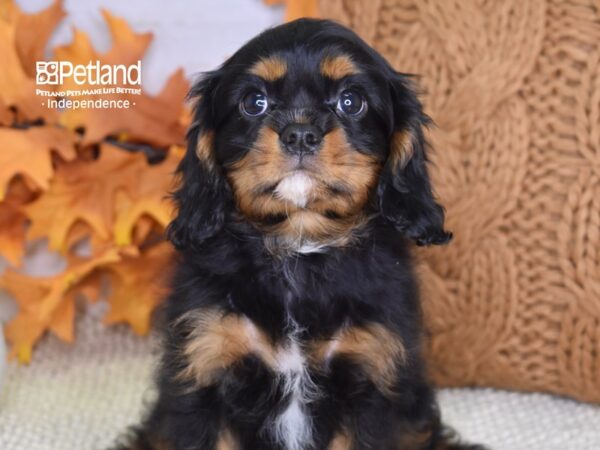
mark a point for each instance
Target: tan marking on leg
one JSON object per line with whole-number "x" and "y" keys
{"x": 270, "y": 69}
{"x": 216, "y": 341}
{"x": 337, "y": 67}
{"x": 378, "y": 350}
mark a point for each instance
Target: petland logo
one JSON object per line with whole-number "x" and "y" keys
{"x": 93, "y": 73}
{"x": 88, "y": 86}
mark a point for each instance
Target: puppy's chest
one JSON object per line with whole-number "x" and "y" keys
{"x": 297, "y": 361}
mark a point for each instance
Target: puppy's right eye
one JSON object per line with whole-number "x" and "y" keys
{"x": 254, "y": 104}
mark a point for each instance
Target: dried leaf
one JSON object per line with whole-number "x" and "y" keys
{"x": 28, "y": 153}
{"x": 148, "y": 197}
{"x": 137, "y": 287}
{"x": 6, "y": 115}
{"x": 33, "y": 32}
{"x": 12, "y": 234}
{"x": 17, "y": 89}
{"x": 154, "y": 120}
{"x": 84, "y": 192}
{"x": 296, "y": 9}
{"x": 47, "y": 303}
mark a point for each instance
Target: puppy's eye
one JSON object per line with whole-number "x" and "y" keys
{"x": 351, "y": 103}
{"x": 254, "y": 104}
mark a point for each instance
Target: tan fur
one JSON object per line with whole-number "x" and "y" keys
{"x": 216, "y": 341}
{"x": 156, "y": 443}
{"x": 401, "y": 149}
{"x": 204, "y": 148}
{"x": 264, "y": 165}
{"x": 341, "y": 441}
{"x": 270, "y": 69}
{"x": 337, "y": 164}
{"x": 338, "y": 67}
{"x": 226, "y": 441}
{"x": 378, "y": 350}
{"x": 416, "y": 441}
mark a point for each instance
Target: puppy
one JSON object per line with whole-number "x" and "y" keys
{"x": 294, "y": 320}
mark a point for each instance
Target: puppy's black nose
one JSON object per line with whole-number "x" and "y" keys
{"x": 301, "y": 139}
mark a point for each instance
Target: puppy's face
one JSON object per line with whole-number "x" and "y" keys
{"x": 307, "y": 132}
{"x": 302, "y": 141}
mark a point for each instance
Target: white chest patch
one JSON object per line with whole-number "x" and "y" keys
{"x": 296, "y": 189}
{"x": 293, "y": 427}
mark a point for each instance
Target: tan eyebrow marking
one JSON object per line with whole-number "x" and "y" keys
{"x": 271, "y": 69}
{"x": 337, "y": 67}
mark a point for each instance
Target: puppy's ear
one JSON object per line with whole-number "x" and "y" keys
{"x": 202, "y": 196}
{"x": 404, "y": 191}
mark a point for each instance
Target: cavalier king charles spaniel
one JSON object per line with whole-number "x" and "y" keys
{"x": 294, "y": 320}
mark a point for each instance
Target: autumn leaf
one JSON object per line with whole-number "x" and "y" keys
{"x": 33, "y": 32}
{"x": 12, "y": 223}
{"x": 138, "y": 286}
{"x": 84, "y": 192}
{"x": 296, "y": 9}
{"x": 62, "y": 176}
{"x": 17, "y": 89}
{"x": 148, "y": 197}
{"x": 6, "y": 115}
{"x": 47, "y": 303}
{"x": 154, "y": 120}
{"x": 28, "y": 152}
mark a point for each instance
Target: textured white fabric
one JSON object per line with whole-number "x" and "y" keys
{"x": 81, "y": 397}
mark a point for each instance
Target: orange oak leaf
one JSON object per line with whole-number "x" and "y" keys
{"x": 28, "y": 152}
{"x": 148, "y": 119}
{"x": 12, "y": 223}
{"x": 47, "y": 303}
{"x": 12, "y": 233}
{"x": 295, "y": 9}
{"x": 6, "y": 115}
{"x": 33, "y": 32}
{"x": 138, "y": 286}
{"x": 17, "y": 89}
{"x": 148, "y": 197}
{"x": 84, "y": 192}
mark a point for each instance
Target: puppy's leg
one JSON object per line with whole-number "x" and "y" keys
{"x": 141, "y": 439}
{"x": 189, "y": 421}
{"x": 421, "y": 426}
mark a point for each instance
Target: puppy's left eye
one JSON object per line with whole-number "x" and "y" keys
{"x": 254, "y": 104}
{"x": 351, "y": 103}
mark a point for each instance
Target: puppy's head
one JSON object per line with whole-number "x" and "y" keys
{"x": 306, "y": 132}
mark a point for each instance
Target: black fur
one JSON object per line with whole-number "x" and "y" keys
{"x": 224, "y": 265}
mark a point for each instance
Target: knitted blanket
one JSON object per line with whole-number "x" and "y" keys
{"x": 514, "y": 87}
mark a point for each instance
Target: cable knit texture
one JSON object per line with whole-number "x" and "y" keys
{"x": 514, "y": 88}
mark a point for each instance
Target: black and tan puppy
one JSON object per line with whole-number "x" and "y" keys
{"x": 294, "y": 319}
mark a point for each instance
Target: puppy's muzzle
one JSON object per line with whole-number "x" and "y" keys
{"x": 300, "y": 139}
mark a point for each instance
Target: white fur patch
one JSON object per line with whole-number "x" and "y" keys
{"x": 293, "y": 427}
{"x": 311, "y": 247}
{"x": 296, "y": 189}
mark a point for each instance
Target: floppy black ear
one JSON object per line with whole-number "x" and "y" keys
{"x": 202, "y": 195}
{"x": 404, "y": 191}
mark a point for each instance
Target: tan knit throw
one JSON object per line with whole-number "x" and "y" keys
{"x": 514, "y": 87}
